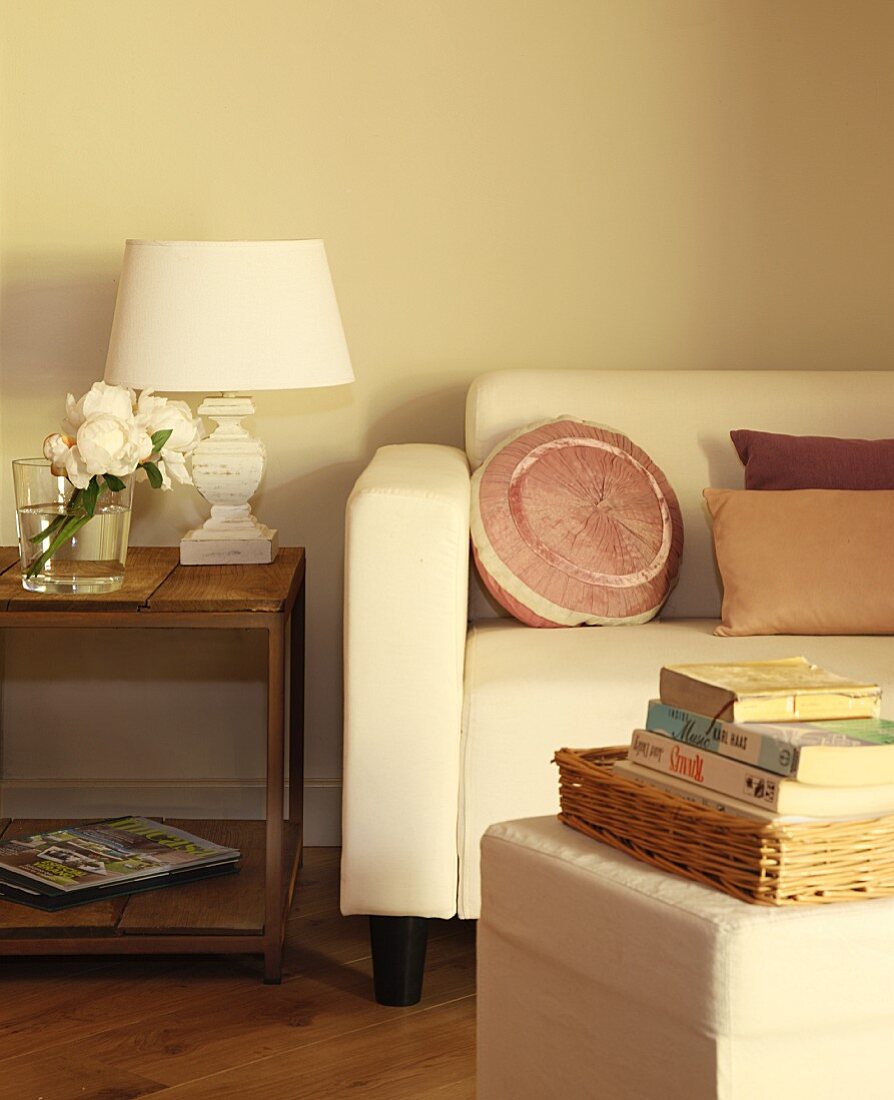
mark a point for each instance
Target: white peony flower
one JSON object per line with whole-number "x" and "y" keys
{"x": 175, "y": 464}
{"x": 100, "y": 398}
{"x": 75, "y": 469}
{"x": 56, "y": 448}
{"x": 109, "y": 444}
{"x": 108, "y": 434}
{"x": 158, "y": 414}
{"x": 165, "y": 477}
{"x": 74, "y": 413}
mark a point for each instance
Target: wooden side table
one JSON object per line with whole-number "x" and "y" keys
{"x": 242, "y": 913}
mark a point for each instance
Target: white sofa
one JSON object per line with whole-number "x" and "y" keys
{"x": 452, "y": 713}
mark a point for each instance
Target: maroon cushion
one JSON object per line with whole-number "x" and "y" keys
{"x": 775, "y": 461}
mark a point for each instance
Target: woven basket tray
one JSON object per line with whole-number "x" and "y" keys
{"x": 764, "y": 863}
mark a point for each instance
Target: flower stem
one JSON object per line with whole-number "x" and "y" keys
{"x": 69, "y": 529}
{"x": 53, "y": 527}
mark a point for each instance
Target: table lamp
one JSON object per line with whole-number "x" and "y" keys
{"x": 223, "y": 317}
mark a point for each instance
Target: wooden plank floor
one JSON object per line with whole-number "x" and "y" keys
{"x": 206, "y": 1028}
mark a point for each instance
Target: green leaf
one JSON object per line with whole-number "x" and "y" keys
{"x": 115, "y": 484}
{"x": 153, "y": 473}
{"x": 159, "y": 439}
{"x": 90, "y": 496}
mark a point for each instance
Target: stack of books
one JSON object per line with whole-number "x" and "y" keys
{"x": 776, "y": 740}
{"x": 80, "y": 863}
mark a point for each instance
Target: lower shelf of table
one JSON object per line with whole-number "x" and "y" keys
{"x": 223, "y": 914}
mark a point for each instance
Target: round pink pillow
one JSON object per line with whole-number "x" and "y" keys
{"x": 572, "y": 523}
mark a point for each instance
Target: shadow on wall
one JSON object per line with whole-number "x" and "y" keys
{"x": 418, "y": 409}
{"x": 55, "y": 336}
{"x": 54, "y": 341}
{"x": 315, "y": 501}
{"x": 161, "y": 704}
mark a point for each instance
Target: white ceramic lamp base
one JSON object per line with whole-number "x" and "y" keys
{"x": 230, "y": 535}
{"x": 227, "y": 468}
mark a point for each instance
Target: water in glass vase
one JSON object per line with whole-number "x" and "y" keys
{"x": 92, "y": 560}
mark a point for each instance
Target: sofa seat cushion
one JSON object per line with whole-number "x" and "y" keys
{"x": 529, "y": 692}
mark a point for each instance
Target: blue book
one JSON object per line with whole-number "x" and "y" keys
{"x": 848, "y": 752}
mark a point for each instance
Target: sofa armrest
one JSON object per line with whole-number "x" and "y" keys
{"x": 406, "y": 593}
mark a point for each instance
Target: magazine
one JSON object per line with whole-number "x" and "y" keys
{"x": 105, "y": 855}
{"x": 24, "y": 895}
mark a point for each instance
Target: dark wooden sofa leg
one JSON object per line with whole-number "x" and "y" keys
{"x": 398, "y": 953}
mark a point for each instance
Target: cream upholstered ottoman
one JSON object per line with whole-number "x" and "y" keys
{"x": 602, "y": 978}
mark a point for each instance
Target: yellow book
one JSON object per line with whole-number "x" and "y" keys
{"x": 789, "y": 689}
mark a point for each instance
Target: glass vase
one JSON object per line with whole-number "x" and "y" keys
{"x": 61, "y": 549}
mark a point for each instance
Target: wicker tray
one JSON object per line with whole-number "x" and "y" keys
{"x": 763, "y": 863}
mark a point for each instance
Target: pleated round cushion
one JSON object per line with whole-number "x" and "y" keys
{"x": 573, "y": 524}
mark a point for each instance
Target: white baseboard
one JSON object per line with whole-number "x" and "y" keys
{"x": 213, "y": 798}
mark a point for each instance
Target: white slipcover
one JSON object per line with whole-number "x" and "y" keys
{"x": 447, "y": 732}
{"x": 407, "y": 546}
{"x": 601, "y": 978}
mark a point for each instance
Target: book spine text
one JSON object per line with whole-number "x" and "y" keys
{"x": 705, "y": 769}
{"x": 725, "y": 738}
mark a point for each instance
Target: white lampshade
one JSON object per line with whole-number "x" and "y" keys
{"x": 226, "y": 316}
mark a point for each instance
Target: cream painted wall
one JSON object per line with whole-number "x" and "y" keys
{"x": 625, "y": 183}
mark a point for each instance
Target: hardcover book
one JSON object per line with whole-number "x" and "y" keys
{"x": 709, "y": 770}
{"x": 789, "y": 689}
{"x": 825, "y": 753}
{"x": 84, "y": 862}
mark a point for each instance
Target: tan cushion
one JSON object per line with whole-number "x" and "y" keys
{"x": 805, "y": 561}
